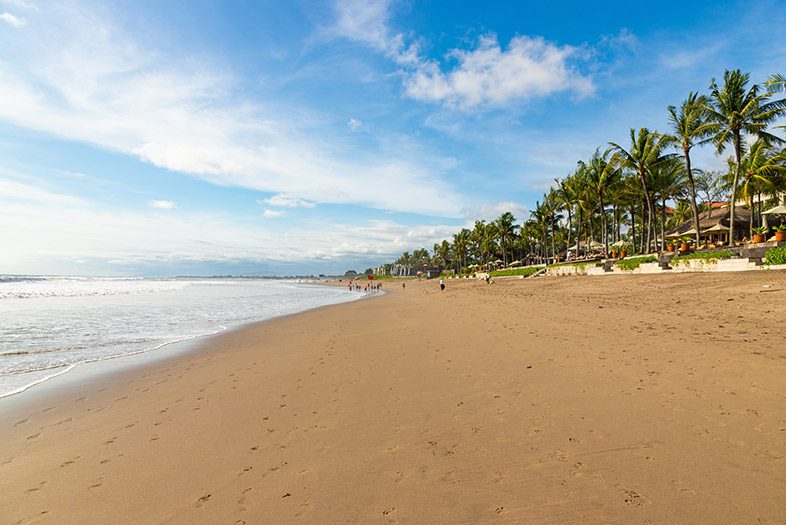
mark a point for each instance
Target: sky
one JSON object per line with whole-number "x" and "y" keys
{"x": 278, "y": 138}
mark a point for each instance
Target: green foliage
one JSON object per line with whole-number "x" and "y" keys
{"x": 579, "y": 264}
{"x": 711, "y": 257}
{"x": 632, "y": 263}
{"x": 761, "y": 230}
{"x": 526, "y": 272}
{"x": 781, "y": 228}
{"x": 776, "y": 255}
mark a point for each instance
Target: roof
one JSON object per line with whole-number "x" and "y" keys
{"x": 713, "y": 217}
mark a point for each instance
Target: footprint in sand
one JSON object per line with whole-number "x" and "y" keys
{"x": 633, "y": 498}
{"x": 202, "y": 500}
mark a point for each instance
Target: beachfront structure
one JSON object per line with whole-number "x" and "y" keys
{"x": 714, "y": 225}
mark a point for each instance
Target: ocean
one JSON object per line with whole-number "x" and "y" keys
{"x": 51, "y": 325}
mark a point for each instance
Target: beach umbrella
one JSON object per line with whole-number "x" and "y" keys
{"x": 717, "y": 228}
{"x": 618, "y": 244}
{"x": 777, "y": 210}
{"x": 574, "y": 247}
{"x": 515, "y": 263}
{"x": 595, "y": 245}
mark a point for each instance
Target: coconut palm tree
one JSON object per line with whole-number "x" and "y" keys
{"x": 646, "y": 152}
{"x": 668, "y": 181}
{"x": 602, "y": 175}
{"x": 460, "y": 247}
{"x": 690, "y": 128}
{"x": 735, "y": 110}
{"x": 505, "y": 231}
{"x": 762, "y": 167}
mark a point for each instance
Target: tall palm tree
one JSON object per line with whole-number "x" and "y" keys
{"x": 460, "y": 246}
{"x": 690, "y": 127}
{"x": 602, "y": 175}
{"x": 734, "y": 110}
{"x": 505, "y": 231}
{"x": 761, "y": 168}
{"x": 667, "y": 182}
{"x": 646, "y": 152}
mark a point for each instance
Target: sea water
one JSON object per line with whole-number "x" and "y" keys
{"x": 51, "y": 325}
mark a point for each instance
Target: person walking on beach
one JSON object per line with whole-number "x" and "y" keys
{"x": 403, "y": 286}
{"x": 442, "y": 284}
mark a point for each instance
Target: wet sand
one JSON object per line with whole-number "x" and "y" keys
{"x": 631, "y": 399}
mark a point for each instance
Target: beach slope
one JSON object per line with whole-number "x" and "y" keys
{"x": 633, "y": 399}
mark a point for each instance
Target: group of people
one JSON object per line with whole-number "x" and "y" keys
{"x": 368, "y": 288}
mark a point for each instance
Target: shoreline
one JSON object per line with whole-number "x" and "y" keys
{"x": 109, "y": 365}
{"x": 542, "y": 400}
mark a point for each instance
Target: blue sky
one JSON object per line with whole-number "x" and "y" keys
{"x": 196, "y": 137}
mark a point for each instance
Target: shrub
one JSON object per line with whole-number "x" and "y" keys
{"x": 526, "y": 272}
{"x": 634, "y": 262}
{"x": 776, "y": 255}
{"x": 710, "y": 257}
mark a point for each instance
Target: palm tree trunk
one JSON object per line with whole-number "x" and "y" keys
{"x": 663, "y": 224}
{"x": 633, "y": 225}
{"x": 750, "y": 220}
{"x": 732, "y": 206}
{"x": 692, "y": 186}
{"x": 603, "y": 223}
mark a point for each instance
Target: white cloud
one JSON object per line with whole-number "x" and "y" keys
{"x": 485, "y": 76}
{"x": 287, "y": 201}
{"x": 491, "y": 76}
{"x": 161, "y": 204}
{"x": 59, "y": 230}
{"x": 11, "y": 19}
{"x": 366, "y": 21}
{"x": 91, "y": 82}
{"x": 354, "y": 124}
{"x": 492, "y": 211}
{"x": 272, "y": 214}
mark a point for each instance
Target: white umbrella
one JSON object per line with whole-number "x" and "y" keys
{"x": 717, "y": 228}
{"x": 777, "y": 210}
{"x": 618, "y": 244}
{"x": 595, "y": 245}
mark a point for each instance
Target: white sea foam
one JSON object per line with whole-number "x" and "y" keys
{"x": 48, "y": 326}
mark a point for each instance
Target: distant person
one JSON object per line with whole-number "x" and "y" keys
{"x": 442, "y": 284}
{"x": 403, "y": 286}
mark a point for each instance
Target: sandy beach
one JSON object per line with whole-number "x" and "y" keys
{"x": 633, "y": 399}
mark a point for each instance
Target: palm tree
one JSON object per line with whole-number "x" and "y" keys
{"x": 460, "y": 247}
{"x": 690, "y": 128}
{"x": 667, "y": 183}
{"x": 646, "y": 152}
{"x": 505, "y": 231}
{"x": 602, "y": 175}
{"x": 761, "y": 168}
{"x": 735, "y": 110}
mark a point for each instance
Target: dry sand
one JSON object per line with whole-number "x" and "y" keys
{"x": 631, "y": 399}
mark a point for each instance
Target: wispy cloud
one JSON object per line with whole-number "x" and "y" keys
{"x": 272, "y": 214}
{"x": 161, "y": 204}
{"x": 354, "y": 124}
{"x": 287, "y": 201}
{"x": 10, "y": 19}
{"x": 94, "y": 83}
{"x": 492, "y": 211}
{"x": 50, "y": 231}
